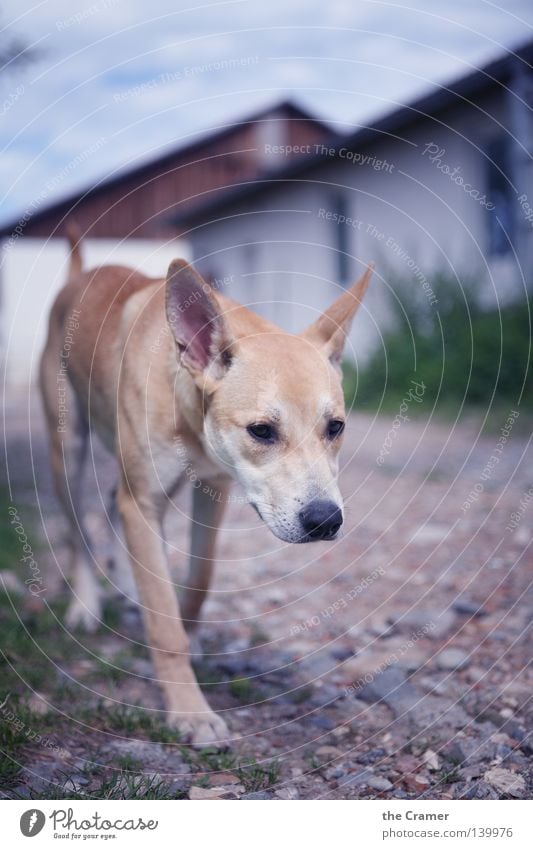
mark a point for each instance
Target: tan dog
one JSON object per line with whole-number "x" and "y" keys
{"x": 173, "y": 377}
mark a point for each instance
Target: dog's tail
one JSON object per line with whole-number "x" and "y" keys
{"x": 73, "y": 234}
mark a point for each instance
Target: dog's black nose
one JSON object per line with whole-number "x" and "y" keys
{"x": 320, "y": 520}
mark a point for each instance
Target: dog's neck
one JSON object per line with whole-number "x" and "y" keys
{"x": 190, "y": 403}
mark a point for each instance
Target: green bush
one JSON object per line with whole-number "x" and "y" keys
{"x": 458, "y": 350}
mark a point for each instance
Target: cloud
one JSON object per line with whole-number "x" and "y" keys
{"x": 346, "y": 61}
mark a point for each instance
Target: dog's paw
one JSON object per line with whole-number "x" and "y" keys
{"x": 80, "y": 616}
{"x": 201, "y": 731}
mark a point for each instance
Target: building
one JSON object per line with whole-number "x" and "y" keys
{"x": 285, "y": 213}
{"x": 443, "y": 183}
{"x": 129, "y": 218}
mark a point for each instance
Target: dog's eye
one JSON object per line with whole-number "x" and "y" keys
{"x": 263, "y": 432}
{"x": 335, "y": 428}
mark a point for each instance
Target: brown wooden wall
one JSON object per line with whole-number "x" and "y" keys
{"x": 142, "y": 204}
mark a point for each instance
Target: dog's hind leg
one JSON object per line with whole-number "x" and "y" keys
{"x": 69, "y": 435}
{"x": 69, "y": 453}
{"x": 207, "y": 509}
{"x": 120, "y": 572}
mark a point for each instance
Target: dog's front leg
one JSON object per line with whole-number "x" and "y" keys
{"x": 186, "y": 706}
{"x": 209, "y": 501}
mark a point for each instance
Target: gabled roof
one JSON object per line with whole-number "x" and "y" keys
{"x": 203, "y": 140}
{"x": 459, "y": 90}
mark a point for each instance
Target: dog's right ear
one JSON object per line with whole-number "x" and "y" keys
{"x": 198, "y": 327}
{"x": 330, "y": 330}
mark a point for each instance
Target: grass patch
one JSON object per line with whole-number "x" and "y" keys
{"x": 258, "y": 637}
{"x": 459, "y": 350}
{"x": 301, "y": 695}
{"x": 252, "y": 775}
{"x": 110, "y": 615}
{"x": 241, "y": 689}
{"x": 256, "y": 776}
{"x": 206, "y": 674}
{"x": 448, "y": 775}
{"x": 110, "y": 670}
{"x": 129, "y": 764}
{"x": 19, "y": 729}
{"x": 129, "y": 720}
{"x": 120, "y": 786}
{"x": 215, "y": 760}
{"x": 37, "y": 655}
{"x": 32, "y": 642}
{"x": 12, "y": 738}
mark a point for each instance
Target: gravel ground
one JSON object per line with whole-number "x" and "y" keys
{"x": 392, "y": 663}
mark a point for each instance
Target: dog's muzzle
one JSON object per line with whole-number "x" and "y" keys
{"x": 320, "y": 520}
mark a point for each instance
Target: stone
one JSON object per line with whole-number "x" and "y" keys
{"x": 80, "y": 780}
{"x": 232, "y": 791}
{"x": 452, "y": 658}
{"x": 424, "y": 619}
{"x": 10, "y": 583}
{"x": 476, "y": 674}
{"x": 323, "y": 722}
{"x": 455, "y": 753}
{"x": 342, "y": 653}
{"x": 220, "y": 779}
{"x": 427, "y": 533}
{"x": 523, "y": 737}
{"x": 431, "y": 759}
{"x": 142, "y": 667}
{"x": 391, "y": 687}
{"x": 23, "y": 791}
{"x": 522, "y": 536}
{"x": 507, "y": 713}
{"x": 416, "y": 783}
{"x": 506, "y": 782}
{"x": 334, "y": 772}
{"x": 501, "y": 738}
{"x": 371, "y": 756}
{"x": 257, "y": 794}
{"x": 37, "y": 704}
{"x": 357, "y": 779}
{"x": 480, "y": 747}
{"x": 378, "y": 782}
{"x": 468, "y": 608}
{"x": 474, "y": 771}
{"x": 413, "y": 659}
{"x": 436, "y": 685}
{"x": 408, "y": 703}
{"x": 43, "y": 777}
{"x": 327, "y": 753}
{"x": 287, "y": 793}
{"x": 324, "y": 697}
{"x": 406, "y": 763}
{"x": 478, "y": 790}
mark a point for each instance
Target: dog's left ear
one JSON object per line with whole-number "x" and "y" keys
{"x": 198, "y": 326}
{"x": 329, "y": 332}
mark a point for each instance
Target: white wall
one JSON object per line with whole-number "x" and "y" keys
{"x": 277, "y": 247}
{"x": 33, "y": 271}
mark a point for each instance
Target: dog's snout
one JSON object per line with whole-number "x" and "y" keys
{"x": 320, "y": 520}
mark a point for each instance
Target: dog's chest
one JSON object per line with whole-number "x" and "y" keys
{"x": 181, "y": 461}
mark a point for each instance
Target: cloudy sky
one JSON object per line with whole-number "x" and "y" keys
{"x": 115, "y": 81}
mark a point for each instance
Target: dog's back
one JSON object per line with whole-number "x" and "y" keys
{"x": 82, "y": 351}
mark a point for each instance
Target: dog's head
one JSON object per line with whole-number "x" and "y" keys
{"x": 273, "y": 402}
